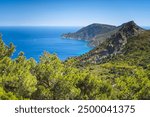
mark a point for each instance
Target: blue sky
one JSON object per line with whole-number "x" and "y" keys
{"x": 73, "y": 12}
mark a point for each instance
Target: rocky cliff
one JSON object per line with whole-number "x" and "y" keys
{"x": 113, "y": 42}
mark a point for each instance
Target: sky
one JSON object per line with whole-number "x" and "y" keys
{"x": 73, "y": 12}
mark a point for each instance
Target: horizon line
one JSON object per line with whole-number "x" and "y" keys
{"x": 40, "y": 26}
{"x": 58, "y": 25}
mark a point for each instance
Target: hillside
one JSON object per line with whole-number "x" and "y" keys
{"x": 119, "y": 68}
{"x": 112, "y": 44}
{"x": 90, "y": 31}
{"x": 128, "y": 72}
{"x": 129, "y": 27}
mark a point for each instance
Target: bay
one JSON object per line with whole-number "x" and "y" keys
{"x": 33, "y": 41}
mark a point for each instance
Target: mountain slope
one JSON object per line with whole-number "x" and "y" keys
{"x": 89, "y": 32}
{"x": 114, "y": 44}
{"x": 127, "y": 27}
{"x": 121, "y": 76}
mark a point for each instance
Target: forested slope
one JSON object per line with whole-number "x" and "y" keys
{"x": 122, "y": 76}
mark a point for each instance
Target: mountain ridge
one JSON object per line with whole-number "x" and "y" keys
{"x": 98, "y": 39}
{"x": 89, "y": 32}
{"x": 113, "y": 44}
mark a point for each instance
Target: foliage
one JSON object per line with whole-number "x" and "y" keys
{"x": 124, "y": 76}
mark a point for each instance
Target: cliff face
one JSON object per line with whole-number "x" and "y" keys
{"x": 113, "y": 43}
{"x": 89, "y": 32}
{"x": 127, "y": 29}
{"x": 118, "y": 40}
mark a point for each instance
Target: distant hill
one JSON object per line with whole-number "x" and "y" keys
{"x": 90, "y": 31}
{"x": 127, "y": 27}
{"x": 112, "y": 43}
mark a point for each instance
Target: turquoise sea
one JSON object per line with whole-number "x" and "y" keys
{"x": 33, "y": 41}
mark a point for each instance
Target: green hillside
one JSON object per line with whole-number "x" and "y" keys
{"x": 124, "y": 75}
{"x": 128, "y": 72}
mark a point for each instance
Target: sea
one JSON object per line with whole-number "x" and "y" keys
{"x": 33, "y": 41}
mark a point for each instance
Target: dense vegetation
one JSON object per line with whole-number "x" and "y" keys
{"x": 122, "y": 76}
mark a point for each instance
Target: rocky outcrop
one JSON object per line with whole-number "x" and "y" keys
{"x": 129, "y": 28}
{"x": 120, "y": 38}
{"x": 113, "y": 43}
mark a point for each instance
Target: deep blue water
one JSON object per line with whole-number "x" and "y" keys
{"x": 34, "y": 40}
